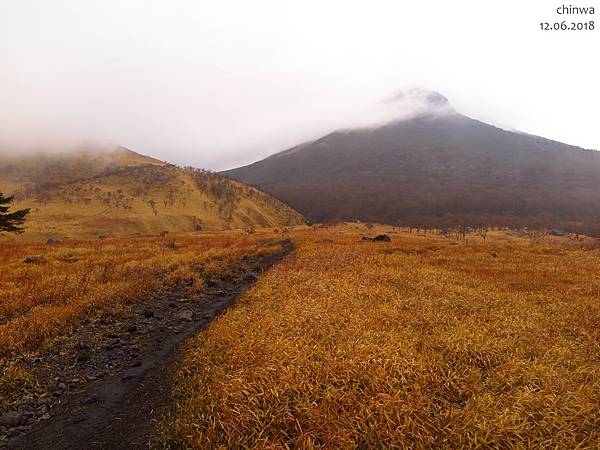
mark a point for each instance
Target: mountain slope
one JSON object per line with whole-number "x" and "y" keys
{"x": 436, "y": 169}
{"x": 19, "y": 172}
{"x": 89, "y": 194}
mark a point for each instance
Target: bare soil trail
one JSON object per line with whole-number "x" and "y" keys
{"x": 115, "y": 384}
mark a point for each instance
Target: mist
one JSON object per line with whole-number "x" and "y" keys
{"x": 221, "y": 85}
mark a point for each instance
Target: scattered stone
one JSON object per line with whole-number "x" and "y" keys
{"x": 35, "y": 260}
{"x": 101, "y": 237}
{"x": 81, "y": 346}
{"x": 366, "y": 238}
{"x": 186, "y": 314}
{"x": 74, "y": 420}
{"x": 13, "y": 419}
{"x": 251, "y": 277}
{"x": 115, "y": 352}
{"x": 53, "y": 241}
{"x": 83, "y": 356}
{"x": 381, "y": 238}
{"x": 494, "y": 255}
{"x": 108, "y": 347}
{"x": 91, "y": 399}
{"x": 170, "y": 245}
{"x": 226, "y": 278}
{"x": 558, "y": 232}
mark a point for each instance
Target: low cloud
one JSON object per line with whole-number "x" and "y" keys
{"x": 221, "y": 84}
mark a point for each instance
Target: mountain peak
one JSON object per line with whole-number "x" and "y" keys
{"x": 420, "y": 102}
{"x": 442, "y": 168}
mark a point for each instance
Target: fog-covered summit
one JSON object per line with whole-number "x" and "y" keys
{"x": 419, "y": 102}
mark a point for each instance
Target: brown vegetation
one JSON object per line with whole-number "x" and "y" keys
{"x": 472, "y": 338}
{"x": 81, "y": 196}
{"x": 45, "y": 290}
{"x": 423, "y": 342}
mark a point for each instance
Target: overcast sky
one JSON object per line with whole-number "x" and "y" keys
{"x": 222, "y": 83}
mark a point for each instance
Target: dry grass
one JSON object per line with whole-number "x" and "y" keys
{"x": 44, "y": 300}
{"x": 40, "y": 300}
{"x": 420, "y": 343}
{"x": 118, "y": 205}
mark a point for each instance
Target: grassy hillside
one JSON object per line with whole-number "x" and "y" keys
{"x": 38, "y": 171}
{"x": 87, "y": 195}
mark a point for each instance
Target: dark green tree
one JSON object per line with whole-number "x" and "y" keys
{"x": 11, "y": 222}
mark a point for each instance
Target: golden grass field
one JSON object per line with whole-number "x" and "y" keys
{"x": 424, "y": 342}
{"x": 78, "y": 279}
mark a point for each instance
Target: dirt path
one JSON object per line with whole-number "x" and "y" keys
{"x": 122, "y": 367}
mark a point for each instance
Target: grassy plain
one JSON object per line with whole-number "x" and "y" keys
{"x": 423, "y": 342}
{"x": 64, "y": 283}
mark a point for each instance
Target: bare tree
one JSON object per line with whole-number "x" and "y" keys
{"x": 536, "y": 235}
{"x": 482, "y": 232}
{"x": 152, "y": 204}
